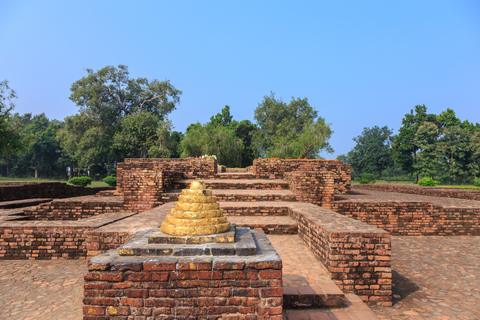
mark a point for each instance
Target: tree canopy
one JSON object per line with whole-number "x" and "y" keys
{"x": 292, "y": 130}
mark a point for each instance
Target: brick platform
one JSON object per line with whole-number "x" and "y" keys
{"x": 243, "y": 287}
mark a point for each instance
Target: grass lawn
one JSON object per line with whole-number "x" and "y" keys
{"x": 8, "y": 179}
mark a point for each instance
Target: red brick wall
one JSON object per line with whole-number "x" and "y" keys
{"x": 32, "y": 190}
{"x": 357, "y": 256}
{"x": 72, "y": 210}
{"x": 176, "y": 290}
{"x": 276, "y": 168}
{"x": 413, "y": 218}
{"x": 426, "y": 191}
{"x": 316, "y": 187}
{"x": 186, "y": 168}
{"x": 42, "y": 243}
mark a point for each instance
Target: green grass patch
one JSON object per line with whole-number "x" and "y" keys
{"x": 460, "y": 187}
{"x": 9, "y": 179}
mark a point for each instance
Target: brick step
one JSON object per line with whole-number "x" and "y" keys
{"x": 240, "y": 195}
{"x": 234, "y": 175}
{"x": 269, "y": 225}
{"x": 23, "y": 203}
{"x": 353, "y": 308}
{"x": 254, "y": 208}
{"x": 246, "y": 184}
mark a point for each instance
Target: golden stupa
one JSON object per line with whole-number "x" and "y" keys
{"x": 196, "y": 213}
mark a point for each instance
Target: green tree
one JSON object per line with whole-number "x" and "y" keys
{"x": 142, "y": 133}
{"x": 111, "y": 93}
{"x": 371, "y": 154}
{"x": 292, "y": 130}
{"x": 427, "y": 159}
{"x": 453, "y": 148}
{"x": 404, "y": 149}
{"x": 10, "y": 137}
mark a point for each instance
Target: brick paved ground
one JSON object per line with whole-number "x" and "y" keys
{"x": 435, "y": 278}
{"x": 363, "y": 195}
{"x": 41, "y": 289}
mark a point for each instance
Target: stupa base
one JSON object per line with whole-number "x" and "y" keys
{"x": 237, "y": 241}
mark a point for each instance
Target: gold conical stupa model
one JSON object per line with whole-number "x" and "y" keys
{"x": 196, "y": 213}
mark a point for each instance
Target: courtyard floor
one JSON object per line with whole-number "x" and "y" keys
{"x": 434, "y": 278}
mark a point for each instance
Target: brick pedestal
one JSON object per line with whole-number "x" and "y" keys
{"x": 170, "y": 287}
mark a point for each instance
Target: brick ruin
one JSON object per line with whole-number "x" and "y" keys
{"x": 351, "y": 239}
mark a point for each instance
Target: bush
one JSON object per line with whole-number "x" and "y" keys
{"x": 80, "y": 181}
{"x": 366, "y": 178}
{"x": 427, "y": 182}
{"x": 110, "y": 180}
{"x": 476, "y": 182}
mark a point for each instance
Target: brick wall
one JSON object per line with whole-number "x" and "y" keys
{"x": 357, "y": 256}
{"x": 185, "y": 168}
{"x": 42, "y": 242}
{"x": 221, "y": 287}
{"x": 316, "y": 187}
{"x": 31, "y": 190}
{"x": 72, "y": 210}
{"x": 276, "y": 168}
{"x": 413, "y": 218}
{"x": 426, "y": 191}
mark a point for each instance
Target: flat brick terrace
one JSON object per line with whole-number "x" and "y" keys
{"x": 434, "y": 278}
{"x": 364, "y": 195}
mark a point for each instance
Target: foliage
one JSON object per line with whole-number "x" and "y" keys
{"x": 427, "y": 182}
{"x": 371, "y": 154}
{"x": 291, "y": 131}
{"x": 111, "y": 180}
{"x": 366, "y": 178}
{"x": 80, "y": 181}
{"x": 10, "y": 137}
{"x": 476, "y": 182}
{"x": 111, "y": 93}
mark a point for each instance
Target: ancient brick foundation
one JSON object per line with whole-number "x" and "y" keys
{"x": 357, "y": 256}
{"x": 10, "y": 191}
{"x": 413, "y": 218}
{"x": 425, "y": 191}
{"x": 185, "y": 288}
{"x": 316, "y": 187}
{"x": 274, "y": 168}
{"x": 72, "y": 210}
{"x": 184, "y": 168}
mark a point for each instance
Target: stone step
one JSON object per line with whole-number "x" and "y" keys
{"x": 235, "y": 184}
{"x": 23, "y": 203}
{"x": 353, "y": 309}
{"x": 254, "y": 208}
{"x": 234, "y": 175}
{"x": 306, "y": 282}
{"x": 269, "y": 225}
{"x": 240, "y": 195}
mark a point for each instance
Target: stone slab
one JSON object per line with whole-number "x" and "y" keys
{"x": 225, "y": 237}
{"x": 140, "y": 245}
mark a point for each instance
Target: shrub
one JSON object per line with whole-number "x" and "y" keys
{"x": 80, "y": 181}
{"x": 476, "y": 182}
{"x": 427, "y": 182}
{"x": 366, "y": 178}
{"x": 111, "y": 180}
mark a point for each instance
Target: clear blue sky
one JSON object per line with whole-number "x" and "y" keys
{"x": 360, "y": 63}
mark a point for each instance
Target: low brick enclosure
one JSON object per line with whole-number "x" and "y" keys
{"x": 45, "y": 240}
{"x": 276, "y": 168}
{"x": 233, "y": 287}
{"x": 413, "y": 218}
{"x": 30, "y": 190}
{"x": 315, "y": 187}
{"x": 184, "y": 168}
{"x": 357, "y": 255}
{"x": 75, "y": 208}
{"x": 425, "y": 191}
